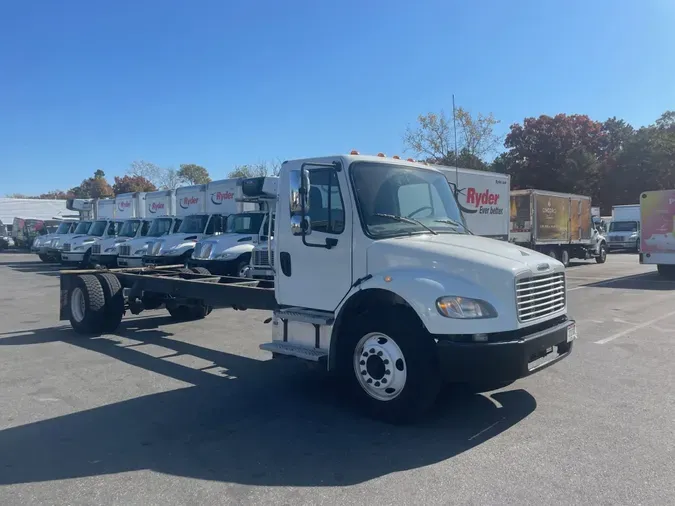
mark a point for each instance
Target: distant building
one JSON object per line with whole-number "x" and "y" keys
{"x": 32, "y": 208}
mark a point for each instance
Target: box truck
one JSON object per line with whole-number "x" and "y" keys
{"x": 624, "y": 229}
{"x": 204, "y": 209}
{"x": 392, "y": 300}
{"x": 160, "y": 209}
{"x": 557, "y": 224}
{"x": 657, "y": 244}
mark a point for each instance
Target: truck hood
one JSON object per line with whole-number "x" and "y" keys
{"x": 111, "y": 242}
{"x": 173, "y": 243}
{"x": 78, "y": 240}
{"x": 212, "y": 247}
{"x": 476, "y": 259}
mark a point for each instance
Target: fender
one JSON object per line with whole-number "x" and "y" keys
{"x": 420, "y": 288}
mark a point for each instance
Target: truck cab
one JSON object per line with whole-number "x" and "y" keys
{"x": 131, "y": 252}
{"x": 105, "y": 252}
{"x": 55, "y": 247}
{"x": 230, "y": 253}
{"x": 43, "y": 244}
{"x": 77, "y": 249}
{"x": 376, "y": 274}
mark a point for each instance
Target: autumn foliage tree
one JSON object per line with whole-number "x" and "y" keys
{"x": 93, "y": 187}
{"x": 132, "y": 184}
{"x": 191, "y": 173}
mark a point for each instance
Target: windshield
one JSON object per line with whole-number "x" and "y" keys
{"x": 129, "y": 228}
{"x": 63, "y": 228}
{"x": 83, "y": 227}
{"x": 422, "y": 198}
{"x": 194, "y": 224}
{"x": 244, "y": 223}
{"x": 623, "y": 226}
{"x": 159, "y": 227}
{"x": 98, "y": 228}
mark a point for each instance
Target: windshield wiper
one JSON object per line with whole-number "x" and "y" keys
{"x": 407, "y": 220}
{"x": 450, "y": 221}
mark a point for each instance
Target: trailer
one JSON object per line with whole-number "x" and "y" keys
{"x": 483, "y": 198}
{"x": 557, "y": 224}
{"x": 376, "y": 296}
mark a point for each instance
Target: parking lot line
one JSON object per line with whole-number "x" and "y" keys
{"x": 636, "y": 327}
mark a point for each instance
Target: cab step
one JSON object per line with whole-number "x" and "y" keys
{"x": 300, "y": 314}
{"x": 295, "y": 350}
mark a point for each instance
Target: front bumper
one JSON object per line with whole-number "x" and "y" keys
{"x": 623, "y": 244}
{"x": 218, "y": 267}
{"x": 71, "y": 257}
{"x": 129, "y": 261}
{"x": 506, "y": 360}
{"x": 163, "y": 260}
{"x": 105, "y": 260}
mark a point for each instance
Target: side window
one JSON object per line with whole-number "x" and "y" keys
{"x": 112, "y": 228}
{"x": 215, "y": 225}
{"x": 146, "y": 227}
{"x": 419, "y": 201}
{"x": 326, "y": 208}
{"x": 176, "y": 225}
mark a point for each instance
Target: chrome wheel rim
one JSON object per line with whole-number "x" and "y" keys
{"x": 77, "y": 304}
{"x": 380, "y": 366}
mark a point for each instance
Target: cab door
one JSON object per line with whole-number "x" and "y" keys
{"x": 314, "y": 270}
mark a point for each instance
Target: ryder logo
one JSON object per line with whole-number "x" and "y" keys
{"x": 186, "y": 202}
{"x": 124, "y": 205}
{"x": 156, "y": 207}
{"x": 219, "y": 197}
{"x": 476, "y": 201}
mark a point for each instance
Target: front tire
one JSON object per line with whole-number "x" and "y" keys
{"x": 390, "y": 365}
{"x": 602, "y": 256}
{"x": 565, "y": 257}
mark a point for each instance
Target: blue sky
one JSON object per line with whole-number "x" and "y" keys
{"x": 87, "y": 85}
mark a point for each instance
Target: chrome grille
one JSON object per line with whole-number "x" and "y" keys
{"x": 96, "y": 249}
{"x": 206, "y": 250}
{"x": 198, "y": 250}
{"x": 154, "y": 249}
{"x": 539, "y": 296}
{"x": 125, "y": 250}
{"x": 66, "y": 247}
{"x": 260, "y": 257}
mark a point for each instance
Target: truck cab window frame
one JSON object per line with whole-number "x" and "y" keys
{"x": 324, "y": 189}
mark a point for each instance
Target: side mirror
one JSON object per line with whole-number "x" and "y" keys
{"x": 300, "y": 226}
{"x": 299, "y": 190}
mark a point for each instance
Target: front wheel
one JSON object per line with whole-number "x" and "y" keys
{"x": 565, "y": 257}
{"x": 390, "y": 365}
{"x": 602, "y": 256}
{"x": 44, "y": 258}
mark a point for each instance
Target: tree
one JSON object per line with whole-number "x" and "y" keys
{"x": 169, "y": 179}
{"x": 93, "y": 187}
{"x": 193, "y": 174}
{"x": 433, "y": 138}
{"x": 559, "y": 153}
{"x": 258, "y": 169}
{"x": 132, "y": 184}
{"x": 163, "y": 178}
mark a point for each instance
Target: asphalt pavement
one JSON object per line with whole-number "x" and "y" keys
{"x": 176, "y": 414}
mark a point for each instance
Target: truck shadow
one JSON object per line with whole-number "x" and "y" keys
{"x": 39, "y": 267}
{"x": 646, "y": 281}
{"x": 245, "y": 421}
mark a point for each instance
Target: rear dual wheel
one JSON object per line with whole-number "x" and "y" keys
{"x": 96, "y": 304}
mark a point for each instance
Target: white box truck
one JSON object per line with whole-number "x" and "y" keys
{"x": 230, "y": 252}
{"x": 160, "y": 210}
{"x": 204, "y": 209}
{"x": 393, "y": 300}
{"x": 130, "y": 208}
{"x": 624, "y": 229}
{"x": 657, "y": 245}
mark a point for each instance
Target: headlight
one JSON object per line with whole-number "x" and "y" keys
{"x": 174, "y": 250}
{"x": 78, "y": 248}
{"x": 465, "y": 308}
{"x": 225, "y": 255}
{"x": 111, "y": 250}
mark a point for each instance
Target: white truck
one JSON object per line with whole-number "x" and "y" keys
{"x": 483, "y": 198}
{"x": 56, "y": 244}
{"x": 77, "y": 249}
{"x": 160, "y": 209}
{"x": 376, "y": 279}
{"x": 624, "y": 229}
{"x": 42, "y": 245}
{"x": 230, "y": 253}
{"x": 657, "y": 245}
{"x": 130, "y": 208}
{"x": 204, "y": 210}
